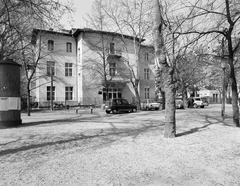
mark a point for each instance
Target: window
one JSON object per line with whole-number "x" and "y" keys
{"x": 68, "y": 93}
{"x": 112, "y": 93}
{"x": 68, "y": 47}
{"x": 49, "y": 93}
{"x": 50, "y": 68}
{"x": 112, "y": 50}
{"x": 50, "y": 45}
{"x": 68, "y": 69}
{"x": 112, "y": 69}
{"x": 146, "y": 56}
{"x": 146, "y": 73}
{"x": 146, "y": 91}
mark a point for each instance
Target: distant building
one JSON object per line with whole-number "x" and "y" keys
{"x": 88, "y": 66}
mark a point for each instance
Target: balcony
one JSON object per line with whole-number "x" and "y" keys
{"x": 117, "y": 53}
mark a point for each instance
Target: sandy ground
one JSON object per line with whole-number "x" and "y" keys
{"x": 65, "y": 148}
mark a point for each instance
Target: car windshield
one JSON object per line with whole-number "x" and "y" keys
{"x": 151, "y": 101}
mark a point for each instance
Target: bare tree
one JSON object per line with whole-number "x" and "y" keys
{"x": 216, "y": 19}
{"x": 167, "y": 71}
{"x": 130, "y": 17}
{"x": 17, "y": 21}
{"x": 18, "y": 18}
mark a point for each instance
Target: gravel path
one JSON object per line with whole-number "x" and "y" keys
{"x": 123, "y": 149}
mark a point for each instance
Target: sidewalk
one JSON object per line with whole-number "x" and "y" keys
{"x": 48, "y": 115}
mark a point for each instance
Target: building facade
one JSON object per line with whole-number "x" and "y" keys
{"x": 85, "y": 66}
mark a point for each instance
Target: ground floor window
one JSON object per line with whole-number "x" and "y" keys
{"x": 49, "y": 93}
{"x": 146, "y": 93}
{"x": 215, "y": 98}
{"x": 112, "y": 93}
{"x": 68, "y": 93}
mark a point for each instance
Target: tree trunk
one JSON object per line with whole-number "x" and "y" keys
{"x": 234, "y": 96}
{"x": 167, "y": 69}
{"x": 28, "y": 102}
{"x": 163, "y": 99}
{"x": 170, "y": 126}
{"x": 137, "y": 95}
{"x": 184, "y": 97}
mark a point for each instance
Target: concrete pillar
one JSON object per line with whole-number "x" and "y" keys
{"x": 10, "y": 99}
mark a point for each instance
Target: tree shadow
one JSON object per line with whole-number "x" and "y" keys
{"x": 102, "y": 136}
{"x": 209, "y": 120}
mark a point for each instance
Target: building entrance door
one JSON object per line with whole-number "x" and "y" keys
{"x": 112, "y": 93}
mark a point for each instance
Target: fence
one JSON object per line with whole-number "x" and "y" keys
{"x": 60, "y": 102}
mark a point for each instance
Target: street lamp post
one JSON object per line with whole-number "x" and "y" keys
{"x": 223, "y": 66}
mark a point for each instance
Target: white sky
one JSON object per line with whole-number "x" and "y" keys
{"x": 82, "y": 7}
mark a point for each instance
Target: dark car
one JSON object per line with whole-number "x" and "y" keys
{"x": 119, "y": 105}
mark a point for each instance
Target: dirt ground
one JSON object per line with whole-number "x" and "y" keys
{"x": 65, "y": 148}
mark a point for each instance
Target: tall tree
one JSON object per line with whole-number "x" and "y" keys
{"x": 17, "y": 21}
{"x": 216, "y": 19}
{"x": 167, "y": 70}
{"x": 130, "y": 17}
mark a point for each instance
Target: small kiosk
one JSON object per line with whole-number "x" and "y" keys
{"x": 10, "y": 100}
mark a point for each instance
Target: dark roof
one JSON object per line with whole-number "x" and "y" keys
{"x": 74, "y": 32}
{"x": 9, "y": 62}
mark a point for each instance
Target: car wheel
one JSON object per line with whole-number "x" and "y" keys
{"x": 114, "y": 111}
{"x": 156, "y": 108}
{"x": 195, "y": 106}
{"x": 202, "y": 106}
{"x": 108, "y": 112}
{"x": 134, "y": 110}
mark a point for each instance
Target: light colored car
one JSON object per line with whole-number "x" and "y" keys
{"x": 150, "y": 104}
{"x": 179, "y": 104}
{"x": 197, "y": 102}
{"x": 205, "y": 101}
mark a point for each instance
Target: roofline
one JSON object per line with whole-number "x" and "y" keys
{"x": 87, "y": 30}
{"x": 35, "y": 32}
{"x": 74, "y": 32}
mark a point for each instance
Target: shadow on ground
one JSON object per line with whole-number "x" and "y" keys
{"x": 102, "y": 136}
{"x": 210, "y": 120}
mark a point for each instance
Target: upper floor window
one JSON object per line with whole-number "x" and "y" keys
{"x": 146, "y": 93}
{"x": 50, "y": 45}
{"x": 68, "y": 69}
{"x": 112, "y": 69}
{"x": 50, "y": 68}
{"x": 68, "y": 47}
{"x": 112, "y": 48}
{"x": 146, "y": 56}
{"x": 49, "y": 93}
{"x": 69, "y": 93}
{"x": 146, "y": 73}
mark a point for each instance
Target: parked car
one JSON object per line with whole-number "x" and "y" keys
{"x": 179, "y": 104}
{"x": 197, "y": 102}
{"x": 150, "y": 104}
{"x": 205, "y": 101}
{"x": 119, "y": 105}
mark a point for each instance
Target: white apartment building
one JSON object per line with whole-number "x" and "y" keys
{"x": 80, "y": 63}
